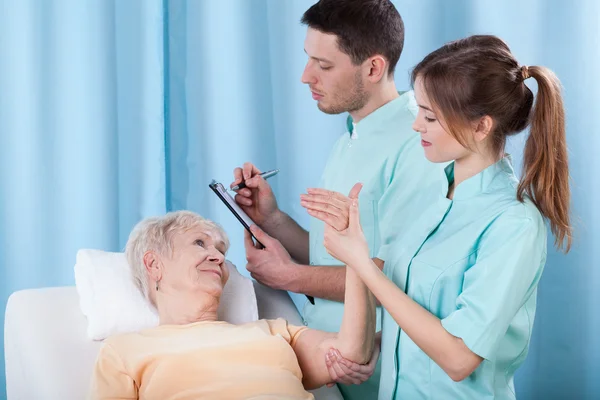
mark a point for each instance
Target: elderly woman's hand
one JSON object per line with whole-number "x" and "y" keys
{"x": 347, "y": 372}
{"x": 331, "y": 207}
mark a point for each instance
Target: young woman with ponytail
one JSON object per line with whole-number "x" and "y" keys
{"x": 460, "y": 303}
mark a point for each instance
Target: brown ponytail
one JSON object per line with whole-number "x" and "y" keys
{"x": 545, "y": 162}
{"x": 478, "y": 76}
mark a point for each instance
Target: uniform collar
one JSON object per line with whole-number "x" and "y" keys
{"x": 482, "y": 182}
{"x": 379, "y": 117}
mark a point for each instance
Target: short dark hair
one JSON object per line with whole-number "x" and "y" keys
{"x": 363, "y": 27}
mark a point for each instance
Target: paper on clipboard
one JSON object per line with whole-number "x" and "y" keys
{"x": 235, "y": 209}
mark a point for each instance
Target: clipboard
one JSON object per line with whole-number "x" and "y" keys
{"x": 235, "y": 209}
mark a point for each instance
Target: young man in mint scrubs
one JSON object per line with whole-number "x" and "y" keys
{"x": 353, "y": 47}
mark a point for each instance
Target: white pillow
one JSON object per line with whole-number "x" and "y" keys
{"x": 113, "y": 304}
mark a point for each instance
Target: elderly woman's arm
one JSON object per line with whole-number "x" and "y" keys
{"x": 110, "y": 380}
{"x": 355, "y": 340}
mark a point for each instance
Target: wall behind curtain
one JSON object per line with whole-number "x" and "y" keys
{"x": 111, "y": 111}
{"x": 81, "y": 132}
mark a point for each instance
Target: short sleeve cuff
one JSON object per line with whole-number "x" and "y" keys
{"x": 476, "y": 338}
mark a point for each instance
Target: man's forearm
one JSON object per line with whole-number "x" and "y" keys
{"x": 291, "y": 235}
{"x": 323, "y": 281}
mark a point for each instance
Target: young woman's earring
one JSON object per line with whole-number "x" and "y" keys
{"x": 157, "y": 286}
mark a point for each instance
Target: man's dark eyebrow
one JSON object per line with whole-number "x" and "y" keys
{"x": 319, "y": 59}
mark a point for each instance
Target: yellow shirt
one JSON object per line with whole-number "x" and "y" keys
{"x": 203, "y": 360}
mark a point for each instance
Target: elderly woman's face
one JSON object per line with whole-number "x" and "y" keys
{"x": 196, "y": 263}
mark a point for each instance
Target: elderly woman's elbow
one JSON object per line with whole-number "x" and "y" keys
{"x": 363, "y": 357}
{"x": 309, "y": 384}
{"x": 357, "y": 354}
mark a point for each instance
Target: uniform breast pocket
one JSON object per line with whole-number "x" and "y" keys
{"x": 367, "y": 208}
{"x": 437, "y": 287}
{"x": 421, "y": 280}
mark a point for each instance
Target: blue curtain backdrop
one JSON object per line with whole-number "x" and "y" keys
{"x": 111, "y": 111}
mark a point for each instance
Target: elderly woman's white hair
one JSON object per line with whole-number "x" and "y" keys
{"x": 156, "y": 233}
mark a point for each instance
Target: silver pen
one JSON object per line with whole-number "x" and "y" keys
{"x": 265, "y": 175}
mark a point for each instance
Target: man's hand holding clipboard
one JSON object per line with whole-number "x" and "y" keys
{"x": 244, "y": 180}
{"x": 287, "y": 252}
{"x": 235, "y": 209}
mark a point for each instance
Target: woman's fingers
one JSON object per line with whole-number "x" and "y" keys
{"x": 354, "y": 377}
{"x": 330, "y": 208}
{"x": 329, "y": 363}
{"x": 330, "y": 220}
{"x": 326, "y": 197}
{"x": 354, "y": 218}
{"x": 356, "y": 371}
{"x": 340, "y": 373}
{"x": 359, "y": 370}
{"x": 343, "y": 377}
{"x": 324, "y": 207}
{"x": 325, "y": 192}
{"x": 354, "y": 192}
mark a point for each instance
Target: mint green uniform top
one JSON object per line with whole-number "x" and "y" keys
{"x": 477, "y": 270}
{"x": 383, "y": 153}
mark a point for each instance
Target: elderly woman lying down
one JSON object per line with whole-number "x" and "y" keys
{"x": 178, "y": 263}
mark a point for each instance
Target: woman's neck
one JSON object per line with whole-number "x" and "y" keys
{"x": 469, "y": 166}
{"x": 179, "y": 309}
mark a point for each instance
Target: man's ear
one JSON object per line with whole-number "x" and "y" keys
{"x": 377, "y": 67}
{"x": 153, "y": 265}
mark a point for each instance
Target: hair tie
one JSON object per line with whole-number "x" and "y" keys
{"x": 525, "y": 72}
